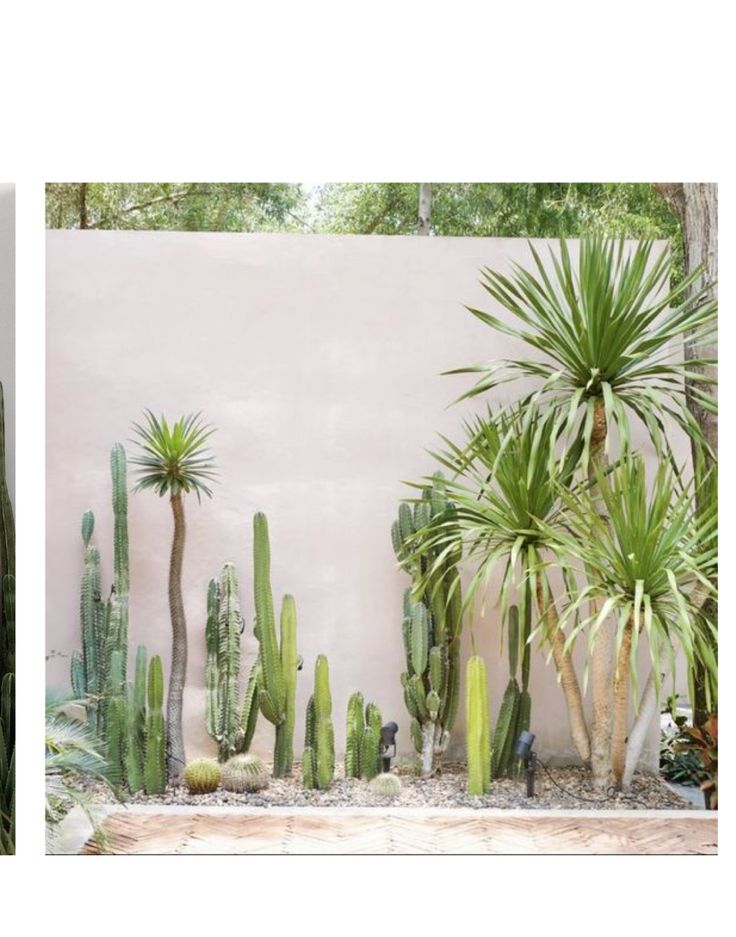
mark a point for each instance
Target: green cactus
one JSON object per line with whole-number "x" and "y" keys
{"x": 431, "y": 625}
{"x": 136, "y": 741}
{"x": 320, "y": 735}
{"x": 279, "y": 661}
{"x": 478, "y": 728}
{"x": 116, "y": 720}
{"x": 202, "y": 776}
{"x": 222, "y": 637}
{"x": 515, "y": 712}
{"x": 369, "y": 753}
{"x": 154, "y": 769}
{"x": 353, "y": 736}
{"x": 385, "y": 786}
{"x": 244, "y": 774}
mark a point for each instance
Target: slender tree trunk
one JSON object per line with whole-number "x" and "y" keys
{"x": 621, "y": 682}
{"x": 425, "y": 207}
{"x": 83, "y": 222}
{"x": 601, "y": 660}
{"x": 178, "y": 676}
{"x": 637, "y": 736}
{"x": 568, "y": 677}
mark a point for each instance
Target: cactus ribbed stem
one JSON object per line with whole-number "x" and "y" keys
{"x": 135, "y": 755}
{"x": 478, "y": 728}
{"x": 154, "y": 772}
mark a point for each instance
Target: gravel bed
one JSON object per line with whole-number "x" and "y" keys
{"x": 447, "y": 789}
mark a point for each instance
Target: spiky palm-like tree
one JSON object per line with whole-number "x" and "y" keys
{"x": 175, "y": 461}
{"x": 606, "y": 332}
{"x": 504, "y": 480}
{"x": 650, "y": 564}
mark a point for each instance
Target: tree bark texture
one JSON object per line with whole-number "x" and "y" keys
{"x": 648, "y": 709}
{"x": 425, "y": 207}
{"x": 175, "y": 733}
{"x": 568, "y": 677}
{"x": 621, "y": 682}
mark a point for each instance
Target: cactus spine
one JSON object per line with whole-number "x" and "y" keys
{"x": 279, "y": 663}
{"x": 136, "y": 743}
{"x": 432, "y": 624}
{"x": 154, "y": 770}
{"x": 318, "y": 760}
{"x": 478, "y": 727}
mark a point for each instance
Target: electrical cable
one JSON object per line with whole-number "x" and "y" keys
{"x": 598, "y": 800}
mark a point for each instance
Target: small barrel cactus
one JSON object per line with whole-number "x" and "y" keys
{"x": 385, "y": 786}
{"x": 202, "y": 776}
{"x": 244, "y": 774}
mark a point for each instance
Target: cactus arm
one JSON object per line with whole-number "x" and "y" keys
{"x": 272, "y": 674}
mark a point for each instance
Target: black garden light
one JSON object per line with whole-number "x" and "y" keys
{"x": 523, "y": 750}
{"x": 388, "y": 742}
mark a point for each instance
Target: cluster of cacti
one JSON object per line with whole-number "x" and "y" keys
{"x": 278, "y": 660}
{"x": 515, "y": 712}
{"x": 432, "y": 623}
{"x": 230, "y": 723}
{"x": 318, "y": 760}
{"x": 136, "y": 751}
{"x": 385, "y": 786}
{"x": 154, "y": 764}
{"x": 363, "y": 739}
{"x": 244, "y": 774}
{"x": 478, "y": 727}
{"x": 202, "y": 776}
{"x": 104, "y": 623}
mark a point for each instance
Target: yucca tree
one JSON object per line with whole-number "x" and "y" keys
{"x": 650, "y": 563}
{"x": 606, "y": 332}
{"x": 175, "y": 461}
{"x": 504, "y": 480}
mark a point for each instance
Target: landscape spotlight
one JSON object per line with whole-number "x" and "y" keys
{"x": 388, "y": 741}
{"x": 523, "y": 750}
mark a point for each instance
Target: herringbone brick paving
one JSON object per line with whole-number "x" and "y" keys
{"x": 398, "y": 834}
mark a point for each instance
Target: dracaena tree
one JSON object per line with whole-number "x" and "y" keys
{"x": 174, "y": 461}
{"x": 649, "y": 563}
{"x": 606, "y": 335}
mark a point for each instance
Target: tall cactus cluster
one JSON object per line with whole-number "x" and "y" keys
{"x": 104, "y": 623}
{"x": 278, "y": 659}
{"x": 318, "y": 760}
{"x": 515, "y": 712}
{"x": 432, "y": 623}
{"x": 230, "y": 722}
{"x": 363, "y": 739}
{"x": 127, "y": 717}
{"x": 478, "y": 727}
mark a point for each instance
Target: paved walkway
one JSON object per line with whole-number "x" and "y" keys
{"x": 406, "y": 831}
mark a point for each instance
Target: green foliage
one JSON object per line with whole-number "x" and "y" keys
{"x": 385, "y": 786}
{"x": 704, "y": 741}
{"x": 432, "y": 622}
{"x": 174, "y": 460}
{"x": 515, "y": 712}
{"x": 478, "y": 727}
{"x": 279, "y": 661}
{"x": 318, "y": 760}
{"x": 154, "y": 769}
{"x": 244, "y": 774}
{"x": 202, "y": 776}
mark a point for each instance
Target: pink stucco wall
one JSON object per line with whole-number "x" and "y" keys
{"x": 318, "y": 358}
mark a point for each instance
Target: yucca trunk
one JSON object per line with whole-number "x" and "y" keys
{"x": 638, "y": 734}
{"x": 621, "y": 682}
{"x": 601, "y": 658}
{"x": 568, "y": 677}
{"x": 176, "y": 758}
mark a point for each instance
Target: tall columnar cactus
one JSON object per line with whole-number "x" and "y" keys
{"x": 136, "y": 742}
{"x": 478, "y": 727}
{"x": 515, "y": 712}
{"x": 154, "y": 770}
{"x": 432, "y": 623}
{"x": 121, "y": 582}
{"x": 355, "y": 726}
{"x": 116, "y": 720}
{"x": 318, "y": 760}
{"x": 279, "y": 661}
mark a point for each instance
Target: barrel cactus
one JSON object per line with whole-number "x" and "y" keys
{"x": 202, "y": 776}
{"x": 385, "y": 786}
{"x": 244, "y": 774}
